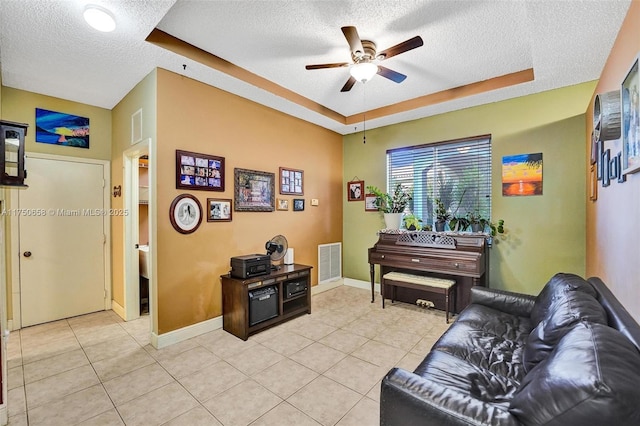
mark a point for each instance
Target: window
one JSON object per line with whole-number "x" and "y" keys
{"x": 458, "y": 173}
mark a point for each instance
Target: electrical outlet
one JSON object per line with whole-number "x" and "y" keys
{"x": 314, "y": 202}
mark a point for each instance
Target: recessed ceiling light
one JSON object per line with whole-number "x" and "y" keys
{"x": 99, "y": 18}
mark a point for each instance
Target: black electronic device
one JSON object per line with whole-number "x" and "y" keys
{"x": 251, "y": 265}
{"x": 263, "y": 304}
{"x": 295, "y": 288}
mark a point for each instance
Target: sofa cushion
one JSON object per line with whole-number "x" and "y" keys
{"x": 558, "y": 285}
{"x": 590, "y": 378}
{"x": 468, "y": 379}
{"x": 489, "y": 339}
{"x": 565, "y": 312}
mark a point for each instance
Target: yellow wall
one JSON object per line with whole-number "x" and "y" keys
{"x": 612, "y": 221}
{"x": 546, "y": 233}
{"x": 196, "y": 117}
{"x": 19, "y": 105}
{"x": 142, "y": 96}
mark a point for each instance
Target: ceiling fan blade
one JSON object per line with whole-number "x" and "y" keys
{"x": 321, "y": 66}
{"x": 355, "y": 44}
{"x": 405, "y": 46}
{"x": 391, "y": 75}
{"x": 348, "y": 85}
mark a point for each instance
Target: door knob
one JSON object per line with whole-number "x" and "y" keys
{"x": 27, "y": 254}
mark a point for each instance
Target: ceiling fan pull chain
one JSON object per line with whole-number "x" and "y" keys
{"x": 364, "y": 114}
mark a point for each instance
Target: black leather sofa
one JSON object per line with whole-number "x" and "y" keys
{"x": 570, "y": 356}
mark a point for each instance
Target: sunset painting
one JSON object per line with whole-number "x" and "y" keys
{"x": 522, "y": 174}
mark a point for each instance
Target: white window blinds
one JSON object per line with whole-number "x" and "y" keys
{"x": 458, "y": 173}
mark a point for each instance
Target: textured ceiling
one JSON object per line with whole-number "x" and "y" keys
{"x": 46, "y": 47}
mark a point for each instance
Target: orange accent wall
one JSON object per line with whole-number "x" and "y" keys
{"x": 193, "y": 116}
{"x": 612, "y": 221}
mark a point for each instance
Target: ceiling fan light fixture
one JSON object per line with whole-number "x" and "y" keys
{"x": 99, "y": 18}
{"x": 363, "y": 71}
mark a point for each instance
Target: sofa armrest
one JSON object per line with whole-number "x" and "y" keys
{"x": 506, "y": 301}
{"x": 407, "y": 399}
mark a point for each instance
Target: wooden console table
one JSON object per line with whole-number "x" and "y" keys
{"x": 467, "y": 264}
{"x": 235, "y": 298}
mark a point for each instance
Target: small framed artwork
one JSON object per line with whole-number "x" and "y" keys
{"x": 254, "y": 191}
{"x": 283, "y": 204}
{"x": 606, "y": 164}
{"x": 593, "y": 183}
{"x": 199, "y": 171}
{"x": 219, "y": 210}
{"x": 370, "y": 203}
{"x": 630, "y": 98}
{"x": 185, "y": 213}
{"x": 291, "y": 181}
{"x": 355, "y": 190}
{"x": 298, "y": 204}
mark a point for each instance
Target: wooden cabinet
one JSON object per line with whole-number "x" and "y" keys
{"x": 12, "y": 153}
{"x": 292, "y": 287}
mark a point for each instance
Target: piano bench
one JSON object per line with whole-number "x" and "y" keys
{"x": 421, "y": 282}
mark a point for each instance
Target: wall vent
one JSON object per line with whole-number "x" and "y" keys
{"x": 329, "y": 262}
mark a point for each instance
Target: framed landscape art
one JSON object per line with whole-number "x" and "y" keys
{"x": 254, "y": 191}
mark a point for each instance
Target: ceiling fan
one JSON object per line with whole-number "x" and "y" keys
{"x": 365, "y": 58}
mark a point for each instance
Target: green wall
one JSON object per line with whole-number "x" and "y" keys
{"x": 545, "y": 234}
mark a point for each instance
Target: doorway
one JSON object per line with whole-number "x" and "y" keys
{"x": 138, "y": 231}
{"x": 63, "y": 239}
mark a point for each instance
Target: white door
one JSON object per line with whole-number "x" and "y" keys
{"x": 62, "y": 240}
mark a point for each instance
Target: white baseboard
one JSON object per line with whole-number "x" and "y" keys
{"x": 115, "y": 307}
{"x": 182, "y": 334}
{"x": 326, "y": 286}
{"x": 361, "y": 284}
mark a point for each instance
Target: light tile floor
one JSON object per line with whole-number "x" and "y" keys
{"x": 318, "y": 369}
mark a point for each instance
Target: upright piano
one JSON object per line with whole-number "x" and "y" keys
{"x": 460, "y": 257}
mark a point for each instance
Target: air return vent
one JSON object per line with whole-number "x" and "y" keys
{"x": 329, "y": 262}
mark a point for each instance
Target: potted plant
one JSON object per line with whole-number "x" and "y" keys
{"x": 392, "y": 205}
{"x": 479, "y": 224}
{"x": 459, "y": 223}
{"x": 412, "y": 222}
{"x": 442, "y": 215}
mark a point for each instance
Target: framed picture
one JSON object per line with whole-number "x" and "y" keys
{"x": 291, "y": 181}
{"x": 355, "y": 190}
{"x": 185, "y": 213}
{"x": 370, "y": 203}
{"x": 254, "y": 191}
{"x": 219, "y": 210}
{"x": 59, "y": 128}
{"x": 631, "y": 120}
{"x": 593, "y": 181}
{"x": 522, "y": 174}
{"x": 282, "y": 203}
{"x": 298, "y": 204}
{"x": 199, "y": 171}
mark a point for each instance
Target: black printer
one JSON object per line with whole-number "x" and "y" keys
{"x": 251, "y": 265}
